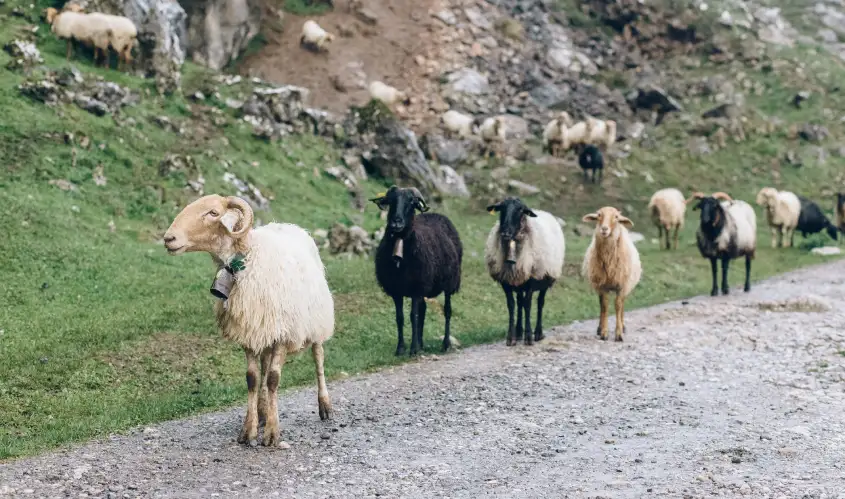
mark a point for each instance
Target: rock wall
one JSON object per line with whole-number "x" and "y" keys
{"x": 219, "y": 30}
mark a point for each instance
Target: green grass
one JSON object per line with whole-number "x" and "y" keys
{"x": 305, "y": 7}
{"x": 101, "y": 331}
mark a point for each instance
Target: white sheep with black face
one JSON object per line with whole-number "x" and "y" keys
{"x": 386, "y": 94}
{"x": 314, "y": 36}
{"x": 524, "y": 253}
{"x": 493, "y": 132}
{"x": 280, "y": 302}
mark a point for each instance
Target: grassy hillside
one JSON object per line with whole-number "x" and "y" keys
{"x": 101, "y": 330}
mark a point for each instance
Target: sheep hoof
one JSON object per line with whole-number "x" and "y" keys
{"x": 518, "y": 334}
{"x": 324, "y": 406}
{"x": 619, "y": 338}
{"x": 539, "y": 336}
{"x": 511, "y": 341}
{"x": 446, "y": 345}
{"x": 725, "y": 291}
{"x": 747, "y": 288}
{"x": 529, "y": 341}
{"x": 400, "y": 349}
{"x": 598, "y": 331}
{"x": 715, "y": 292}
{"x": 271, "y": 438}
{"x": 603, "y": 336}
{"x": 249, "y": 434}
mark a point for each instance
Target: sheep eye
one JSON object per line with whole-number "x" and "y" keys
{"x": 213, "y": 213}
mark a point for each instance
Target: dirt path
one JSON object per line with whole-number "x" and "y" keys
{"x": 738, "y": 395}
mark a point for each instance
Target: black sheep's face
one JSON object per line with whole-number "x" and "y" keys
{"x": 400, "y": 204}
{"x": 512, "y": 213}
{"x": 711, "y": 212}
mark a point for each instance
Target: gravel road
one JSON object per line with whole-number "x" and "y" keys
{"x": 741, "y": 395}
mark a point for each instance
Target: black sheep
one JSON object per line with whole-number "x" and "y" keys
{"x": 812, "y": 220}
{"x": 840, "y": 211}
{"x": 590, "y": 158}
{"x": 418, "y": 257}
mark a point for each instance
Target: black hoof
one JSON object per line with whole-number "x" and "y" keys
{"x": 715, "y": 292}
{"x": 511, "y": 342}
{"x": 446, "y": 345}
{"x": 529, "y": 341}
{"x": 400, "y": 350}
{"x": 539, "y": 336}
{"x": 747, "y": 289}
{"x": 726, "y": 291}
{"x": 619, "y": 339}
{"x": 603, "y": 338}
{"x": 598, "y": 331}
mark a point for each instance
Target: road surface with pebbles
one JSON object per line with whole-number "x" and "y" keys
{"x": 740, "y": 395}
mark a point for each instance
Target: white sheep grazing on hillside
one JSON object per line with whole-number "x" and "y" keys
{"x": 611, "y": 264}
{"x": 386, "y": 94}
{"x": 727, "y": 230}
{"x": 782, "y": 211}
{"x": 314, "y": 36}
{"x": 456, "y": 123}
{"x": 576, "y": 135}
{"x": 601, "y": 132}
{"x": 121, "y": 33}
{"x": 667, "y": 208}
{"x": 493, "y": 132}
{"x": 280, "y": 302}
{"x": 82, "y": 28}
{"x": 555, "y": 132}
{"x": 524, "y": 253}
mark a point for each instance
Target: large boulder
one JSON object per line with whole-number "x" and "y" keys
{"x": 219, "y": 30}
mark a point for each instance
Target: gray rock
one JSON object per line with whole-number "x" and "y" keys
{"x": 447, "y": 17}
{"x": 516, "y": 127}
{"x": 452, "y": 183}
{"x": 826, "y": 251}
{"x": 827, "y": 35}
{"x": 396, "y": 154}
{"x": 549, "y": 94}
{"x": 468, "y": 81}
{"x": 367, "y": 16}
{"x": 477, "y": 18}
{"x": 447, "y": 151}
{"x": 523, "y": 189}
{"x": 219, "y": 30}
{"x": 24, "y": 54}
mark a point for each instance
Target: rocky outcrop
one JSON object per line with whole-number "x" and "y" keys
{"x": 219, "y": 30}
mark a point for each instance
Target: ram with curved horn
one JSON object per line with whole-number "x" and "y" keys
{"x": 419, "y": 257}
{"x": 274, "y": 298}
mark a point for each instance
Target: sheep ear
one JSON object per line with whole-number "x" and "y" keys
{"x": 493, "y": 208}
{"x": 529, "y": 212}
{"x": 230, "y": 219}
{"x": 592, "y": 217}
{"x": 697, "y": 206}
{"x": 626, "y": 222}
{"x": 379, "y": 199}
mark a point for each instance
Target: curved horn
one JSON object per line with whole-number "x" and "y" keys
{"x": 721, "y": 195}
{"x": 234, "y": 202}
{"x": 695, "y": 195}
{"x": 420, "y": 199}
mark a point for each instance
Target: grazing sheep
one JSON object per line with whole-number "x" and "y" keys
{"x": 555, "y": 132}
{"x": 493, "y": 132}
{"x": 122, "y": 35}
{"x": 840, "y": 211}
{"x": 387, "y": 95}
{"x": 601, "y": 132}
{"x": 576, "y": 135}
{"x": 315, "y": 37}
{"x": 458, "y": 124}
{"x": 524, "y": 253}
{"x": 667, "y": 208}
{"x": 82, "y": 28}
{"x": 590, "y": 158}
{"x": 813, "y": 220}
{"x": 782, "y": 211}
{"x": 611, "y": 264}
{"x": 728, "y": 230}
{"x": 418, "y": 257}
{"x": 279, "y": 303}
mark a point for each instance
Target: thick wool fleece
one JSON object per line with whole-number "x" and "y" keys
{"x": 540, "y": 250}
{"x": 612, "y": 263}
{"x": 282, "y": 295}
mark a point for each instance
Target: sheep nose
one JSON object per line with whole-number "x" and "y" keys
{"x": 169, "y": 239}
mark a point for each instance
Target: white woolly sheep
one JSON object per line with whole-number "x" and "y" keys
{"x": 524, "y": 253}
{"x": 279, "y": 302}
{"x": 493, "y": 132}
{"x": 386, "y": 94}
{"x": 601, "y": 132}
{"x": 667, "y": 208}
{"x": 782, "y": 211}
{"x": 554, "y": 133}
{"x": 576, "y": 135}
{"x": 80, "y": 27}
{"x": 314, "y": 36}
{"x": 611, "y": 264}
{"x": 459, "y": 124}
{"x": 122, "y": 35}
{"x": 728, "y": 230}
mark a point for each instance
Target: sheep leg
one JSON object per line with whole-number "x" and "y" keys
{"x": 620, "y": 316}
{"x": 774, "y": 237}
{"x": 677, "y": 229}
{"x": 274, "y": 374}
{"x": 249, "y": 433}
{"x": 69, "y": 49}
{"x": 421, "y": 319}
{"x": 415, "y": 325}
{"x": 511, "y": 339}
{"x": 660, "y": 229}
{"x": 783, "y": 232}
{"x": 447, "y": 313}
{"x": 400, "y": 324}
{"x": 747, "y": 273}
{"x": 519, "y": 297}
{"x": 262, "y": 392}
{"x": 541, "y": 301}
{"x": 603, "y": 317}
{"x": 668, "y": 245}
{"x": 324, "y": 404}
{"x": 529, "y": 338}
{"x": 714, "y": 291}
{"x": 725, "y": 264}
